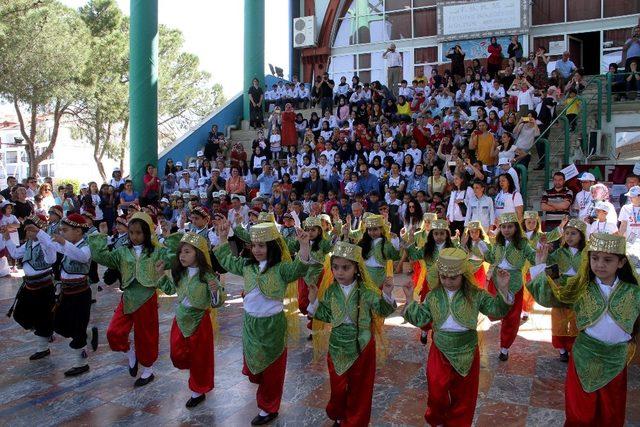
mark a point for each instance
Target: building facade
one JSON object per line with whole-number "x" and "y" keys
{"x": 353, "y": 34}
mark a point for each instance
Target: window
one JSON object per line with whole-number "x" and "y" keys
{"x": 398, "y": 25}
{"x": 422, "y": 3}
{"x": 620, "y": 7}
{"x": 426, "y": 55}
{"x": 544, "y": 41}
{"x": 580, "y": 10}
{"x": 617, "y": 37}
{"x": 12, "y": 156}
{"x": 424, "y": 22}
{"x": 548, "y": 11}
{"x": 397, "y": 5}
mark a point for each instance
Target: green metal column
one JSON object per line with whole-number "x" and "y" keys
{"x": 253, "y": 47}
{"x": 143, "y": 88}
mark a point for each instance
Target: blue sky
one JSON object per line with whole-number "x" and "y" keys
{"x": 213, "y": 29}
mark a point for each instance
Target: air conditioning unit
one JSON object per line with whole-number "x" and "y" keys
{"x": 304, "y": 31}
{"x": 598, "y": 146}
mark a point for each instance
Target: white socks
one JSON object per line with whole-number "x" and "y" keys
{"x": 562, "y": 351}
{"x": 147, "y": 372}
{"x": 195, "y": 395}
{"x": 42, "y": 344}
{"x": 263, "y": 413}
{"x": 131, "y": 356}
{"x": 504, "y": 350}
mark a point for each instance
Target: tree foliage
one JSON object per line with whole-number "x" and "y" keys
{"x": 43, "y": 56}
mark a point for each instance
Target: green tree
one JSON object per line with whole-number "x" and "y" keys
{"x": 102, "y": 113}
{"x": 43, "y": 55}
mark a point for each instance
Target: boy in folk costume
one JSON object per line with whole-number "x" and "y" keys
{"x": 534, "y": 234}
{"x": 199, "y": 224}
{"x": 138, "y": 307}
{"x": 355, "y": 308}
{"x": 453, "y": 365}
{"x": 118, "y": 240}
{"x": 74, "y": 307}
{"x": 193, "y": 280}
{"x": 475, "y": 231}
{"x": 604, "y": 295}
{"x": 56, "y": 214}
{"x": 567, "y": 257}
{"x": 510, "y": 252}
{"x": 36, "y": 297}
{"x": 268, "y": 277}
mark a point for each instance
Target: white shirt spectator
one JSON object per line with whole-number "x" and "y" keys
{"x": 507, "y": 202}
{"x": 416, "y": 154}
{"x": 394, "y": 59}
{"x": 524, "y": 97}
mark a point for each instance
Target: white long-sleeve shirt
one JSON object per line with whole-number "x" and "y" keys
{"x": 18, "y": 252}
{"x": 73, "y": 252}
{"x": 371, "y": 261}
{"x": 346, "y": 290}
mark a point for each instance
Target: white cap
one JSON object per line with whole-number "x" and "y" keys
{"x": 194, "y": 193}
{"x": 179, "y": 164}
{"x": 164, "y": 200}
{"x": 503, "y": 161}
{"x": 116, "y": 169}
{"x": 185, "y": 171}
{"x": 84, "y": 186}
{"x": 202, "y": 181}
{"x": 602, "y": 206}
{"x": 186, "y": 195}
{"x": 633, "y": 191}
{"x": 5, "y": 203}
{"x": 587, "y": 176}
{"x": 177, "y": 194}
{"x": 192, "y": 165}
{"x": 203, "y": 194}
{"x": 215, "y": 170}
{"x": 243, "y": 199}
{"x": 200, "y": 153}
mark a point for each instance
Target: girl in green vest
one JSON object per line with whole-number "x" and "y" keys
{"x": 193, "y": 280}
{"x": 605, "y": 296}
{"x": 138, "y": 307}
{"x": 379, "y": 248}
{"x": 269, "y": 278}
{"x": 452, "y": 307}
{"x": 510, "y": 252}
{"x": 355, "y": 308}
{"x": 567, "y": 257}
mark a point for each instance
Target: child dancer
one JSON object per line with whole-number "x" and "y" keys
{"x": 438, "y": 238}
{"x": 266, "y": 281}
{"x": 567, "y": 257}
{"x": 604, "y": 295}
{"x": 138, "y": 307}
{"x": 510, "y": 252}
{"x": 56, "y": 213}
{"x": 73, "y": 310}
{"x": 198, "y": 289}
{"x": 118, "y": 240}
{"x": 36, "y": 297}
{"x": 453, "y": 365}
{"x": 473, "y": 232}
{"x": 349, "y": 304}
{"x": 379, "y": 249}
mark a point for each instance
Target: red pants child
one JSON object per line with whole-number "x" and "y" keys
{"x": 510, "y": 324}
{"x": 270, "y": 383}
{"x": 603, "y": 407}
{"x": 195, "y": 353}
{"x": 144, "y": 322}
{"x": 562, "y": 342}
{"x": 351, "y": 392}
{"x": 303, "y": 296}
{"x": 452, "y": 397}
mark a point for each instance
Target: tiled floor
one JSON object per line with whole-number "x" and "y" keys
{"x": 525, "y": 391}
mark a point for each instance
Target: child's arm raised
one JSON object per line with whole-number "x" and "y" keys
{"x": 165, "y": 283}
{"x": 100, "y": 253}
{"x": 540, "y": 285}
{"x": 231, "y": 263}
{"x": 290, "y": 271}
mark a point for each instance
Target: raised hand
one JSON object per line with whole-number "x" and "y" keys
{"x": 303, "y": 236}
{"x": 31, "y": 228}
{"x": 313, "y": 293}
{"x": 58, "y": 239}
{"x": 103, "y": 228}
{"x": 502, "y": 280}
{"x": 542, "y": 252}
{"x": 564, "y": 221}
{"x": 387, "y": 285}
{"x": 465, "y": 238}
{"x": 160, "y": 267}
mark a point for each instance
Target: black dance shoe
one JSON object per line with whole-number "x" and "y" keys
{"x": 77, "y": 370}
{"x": 195, "y": 401}
{"x": 40, "y": 354}
{"x": 140, "y": 382}
{"x": 260, "y": 420}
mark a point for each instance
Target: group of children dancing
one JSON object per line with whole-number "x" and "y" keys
{"x": 342, "y": 280}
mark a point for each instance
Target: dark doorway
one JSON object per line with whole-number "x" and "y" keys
{"x": 585, "y": 51}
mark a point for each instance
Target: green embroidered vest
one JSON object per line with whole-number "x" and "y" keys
{"x": 76, "y": 267}
{"x": 623, "y": 306}
{"x": 34, "y": 256}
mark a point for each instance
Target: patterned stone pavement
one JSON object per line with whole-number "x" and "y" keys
{"x": 525, "y": 391}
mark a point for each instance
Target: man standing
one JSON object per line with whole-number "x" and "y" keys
{"x": 565, "y": 66}
{"x": 556, "y": 202}
{"x": 367, "y": 182}
{"x": 266, "y": 180}
{"x": 324, "y": 89}
{"x": 394, "y": 68}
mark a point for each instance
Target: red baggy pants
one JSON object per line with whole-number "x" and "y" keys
{"x": 603, "y": 407}
{"x": 195, "y": 353}
{"x": 510, "y": 324}
{"x": 452, "y": 397}
{"x": 351, "y": 392}
{"x": 562, "y": 342}
{"x": 144, "y": 322}
{"x": 270, "y": 383}
{"x": 303, "y": 296}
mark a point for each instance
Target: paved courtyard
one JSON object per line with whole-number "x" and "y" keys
{"x": 525, "y": 391}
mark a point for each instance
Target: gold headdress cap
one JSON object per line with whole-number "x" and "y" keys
{"x": 199, "y": 242}
{"x": 609, "y": 243}
{"x": 312, "y": 221}
{"x": 451, "y": 262}
{"x": 374, "y": 221}
{"x": 506, "y": 218}
{"x": 264, "y": 232}
{"x": 440, "y": 224}
{"x": 145, "y": 218}
{"x": 531, "y": 215}
{"x": 325, "y": 217}
{"x": 475, "y": 225}
{"x": 266, "y": 217}
{"x": 430, "y": 216}
{"x": 348, "y": 251}
{"x": 581, "y": 226}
